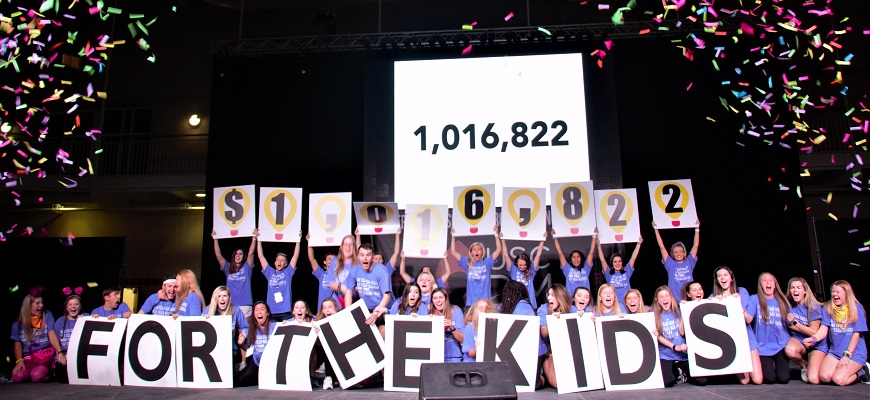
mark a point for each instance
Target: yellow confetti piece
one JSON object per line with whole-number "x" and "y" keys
{"x": 819, "y": 139}
{"x": 828, "y": 200}
{"x": 92, "y": 284}
{"x": 806, "y": 172}
{"x": 90, "y": 166}
{"x": 467, "y": 27}
{"x": 834, "y": 217}
{"x": 860, "y": 142}
{"x": 711, "y": 119}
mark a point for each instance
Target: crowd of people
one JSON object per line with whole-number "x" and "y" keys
{"x": 826, "y": 340}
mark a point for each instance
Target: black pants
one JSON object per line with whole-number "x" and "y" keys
{"x": 250, "y": 374}
{"x": 60, "y": 373}
{"x": 775, "y": 368}
{"x": 669, "y": 373}
{"x": 320, "y": 353}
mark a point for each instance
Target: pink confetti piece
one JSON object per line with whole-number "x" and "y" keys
{"x": 509, "y": 16}
{"x": 608, "y": 43}
{"x": 689, "y": 87}
{"x": 604, "y": 6}
{"x": 467, "y": 49}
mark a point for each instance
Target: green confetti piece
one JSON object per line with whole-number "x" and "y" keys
{"x": 99, "y": 151}
{"x": 715, "y": 65}
{"x": 151, "y": 22}
{"x": 152, "y": 58}
{"x": 13, "y": 289}
{"x": 546, "y": 32}
{"x": 173, "y": 9}
{"x": 850, "y": 111}
{"x": 142, "y": 27}
{"x": 47, "y": 5}
{"x": 137, "y": 16}
{"x": 800, "y": 196}
{"x": 855, "y": 264}
{"x": 71, "y": 37}
{"x": 113, "y": 10}
{"x": 132, "y": 29}
{"x": 467, "y": 27}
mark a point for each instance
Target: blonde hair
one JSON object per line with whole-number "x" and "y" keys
{"x": 851, "y": 301}
{"x": 320, "y": 314}
{"x": 186, "y": 286}
{"x": 599, "y": 307}
{"x": 472, "y": 314}
{"x": 213, "y": 306}
{"x": 482, "y": 250}
{"x": 778, "y": 295}
{"x": 432, "y": 287}
{"x": 642, "y": 307}
{"x": 339, "y": 258}
{"x": 809, "y": 298}
{"x": 658, "y": 310}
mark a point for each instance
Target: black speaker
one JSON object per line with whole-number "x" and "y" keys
{"x": 467, "y": 380}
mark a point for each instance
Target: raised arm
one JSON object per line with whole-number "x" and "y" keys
{"x": 537, "y": 261}
{"x": 356, "y": 235}
{"x": 604, "y": 266}
{"x": 591, "y": 253}
{"x": 254, "y": 242}
{"x": 396, "y": 248}
{"x": 217, "y": 251}
{"x": 497, "y": 253}
{"x": 636, "y": 251}
{"x": 453, "y": 251}
{"x": 446, "y": 275}
{"x": 562, "y": 260}
{"x": 509, "y": 263}
{"x": 295, "y": 257}
{"x": 697, "y": 239}
{"x": 311, "y": 259}
{"x": 263, "y": 262}
{"x": 402, "y": 271}
{"x": 662, "y": 247}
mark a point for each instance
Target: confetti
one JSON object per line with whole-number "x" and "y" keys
{"x": 92, "y": 284}
{"x": 508, "y": 17}
{"x": 467, "y": 50}
{"x": 13, "y": 289}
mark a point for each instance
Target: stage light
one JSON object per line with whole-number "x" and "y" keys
{"x": 200, "y": 195}
{"x": 194, "y": 120}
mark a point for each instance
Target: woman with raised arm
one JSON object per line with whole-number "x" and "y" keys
{"x": 526, "y": 269}
{"x": 238, "y": 273}
{"x": 278, "y": 293}
{"x": 478, "y": 268}
{"x": 680, "y": 268}
{"x": 617, "y": 272}
{"x": 578, "y": 268}
{"x": 320, "y": 272}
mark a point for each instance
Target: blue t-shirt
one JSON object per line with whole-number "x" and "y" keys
{"x": 588, "y": 308}
{"x": 63, "y": 329}
{"x": 122, "y": 309}
{"x": 240, "y": 324}
{"x": 525, "y": 308}
{"x": 278, "y": 288}
{"x": 477, "y": 283}
{"x": 191, "y": 307}
{"x": 394, "y": 309}
{"x": 771, "y": 335}
{"x": 154, "y": 306}
{"x": 452, "y": 347}
{"x": 323, "y": 291}
{"x": 371, "y": 285}
{"x": 468, "y": 340}
{"x": 621, "y": 281}
{"x": 800, "y": 315}
{"x": 839, "y": 337}
{"x": 680, "y": 274}
{"x": 671, "y": 331}
{"x": 40, "y": 336}
{"x": 610, "y": 313}
{"x": 260, "y": 342}
{"x": 745, "y": 301}
{"x": 239, "y": 284}
{"x": 576, "y": 277}
{"x": 529, "y": 282}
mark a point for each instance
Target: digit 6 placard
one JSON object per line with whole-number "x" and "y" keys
{"x": 425, "y": 231}
{"x": 376, "y": 218}
{"x": 673, "y": 204}
{"x": 280, "y": 214}
{"x": 571, "y": 209}
{"x": 328, "y": 218}
{"x": 526, "y": 212}
{"x": 617, "y": 217}
{"x": 473, "y": 210}
{"x": 233, "y": 211}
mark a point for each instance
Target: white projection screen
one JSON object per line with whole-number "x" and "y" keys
{"x": 515, "y": 121}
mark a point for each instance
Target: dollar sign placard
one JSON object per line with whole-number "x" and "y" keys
{"x": 673, "y": 204}
{"x": 279, "y": 207}
{"x": 524, "y": 206}
{"x": 616, "y": 222}
{"x": 426, "y": 232}
{"x": 232, "y": 216}
{"x": 328, "y": 217}
{"x": 376, "y": 218}
{"x": 475, "y": 208}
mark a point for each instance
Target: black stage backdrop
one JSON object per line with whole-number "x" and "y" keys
{"x": 323, "y": 122}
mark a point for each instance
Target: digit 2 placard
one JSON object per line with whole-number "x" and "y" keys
{"x": 425, "y": 231}
{"x": 280, "y": 214}
{"x": 617, "y": 217}
{"x": 328, "y": 218}
{"x": 473, "y": 210}
{"x": 673, "y": 204}
{"x": 233, "y": 211}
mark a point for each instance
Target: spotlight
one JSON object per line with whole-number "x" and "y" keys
{"x": 200, "y": 195}
{"x": 194, "y": 120}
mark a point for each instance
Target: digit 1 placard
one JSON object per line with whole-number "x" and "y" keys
{"x": 572, "y": 208}
{"x": 376, "y": 218}
{"x": 525, "y": 212}
{"x": 425, "y": 231}
{"x": 280, "y": 214}
{"x": 233, "y": 211}
{"x": 617, "y": 217}
{"x": 473, "y": 210}
{"x": 328, "y": 218}
{"x": 673, "y": 204}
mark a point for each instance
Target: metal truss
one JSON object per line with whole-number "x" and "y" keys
{"x": 463, "y": 38}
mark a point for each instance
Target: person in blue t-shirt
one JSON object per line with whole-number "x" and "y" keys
{"x": 372, "y": 281}
{"x": 578, "y": 268}
{"x": 35, "y": 341}
{"x": 633, "y": 302}
{"x": 725, "y": 285}
{"x": 278, "y": 280}
{"x": 477, "y": 267}
{"x": 526, "y": 268}
{"x": 336, "y": 275}
{"x": 558, "y": 303}
{"x": 162, "y": 302}
{"x": 617, "y": 272}
{"x": 581, "y": 301}
{"x": 222, "y": 304}
{"x": 454, "y": 324}
{"x": 805, "y": 319}
{"x": 672, "y": 339}
{"x": 608, "y": 304}
{"x": 112, "y": 306}
{"x": 260, "y": 328}
{"x": 769, "y": 309}
{"x": 379, "y": 257}
{"x": 321, "y": 273}
{"x": 679, "y": 262}
{"x": 409, "y": 303}
{"x": 845, "y": 325}
{"x": 472, "y": 317}
{"x": 72, "y": 312}
{"x": 238, "y": 273}
{"x": 188, "y": 298}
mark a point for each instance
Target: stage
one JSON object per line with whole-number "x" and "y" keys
{"x": 794, "y": 389}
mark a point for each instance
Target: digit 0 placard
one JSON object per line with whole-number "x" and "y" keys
{"x": 673, "y": 204}
{"x": 280, "y": 214}
{"x": 233, "y": 211}
{"x": 572, "y": 210}
{"x": 524, "y": 214}
{"x": 376, "y": 218}
{"x": 425, "y": 231}
{"x": 473, "y": 210}
{"x": 617, "y": 216}
{"x": 328, "y": 218}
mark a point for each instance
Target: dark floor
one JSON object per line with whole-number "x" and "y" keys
{"x": 793, "y": 390}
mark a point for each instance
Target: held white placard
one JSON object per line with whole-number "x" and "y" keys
{"x": 376, "y": 218}
{"x": 575, "y": 355}
{"x": 234, "y": 214}
{"x": 204, "y": 352}
{"x": 629, "y": 352}
{"x": 514, "y": 335}
{"x": 572, "y": 209}
{"x": 280, "y": 214}
{"x": 618, "y": 219}
{"x": 94, "y": 348}
{"x": 717, "y": 337}
{"x": 150, "y": 358}
{"x": 526, "y": 212}
{"x": 281, "y": 367}
{"x": 329, "y": 218}
{"x": 410, "y": 342}
{"x": 673, "y": 204}
{"x": 473, "y": 210}
{"x": 354, "y": 348}
{"x": 425, "y": 231}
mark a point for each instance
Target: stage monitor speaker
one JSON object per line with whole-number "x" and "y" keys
{"x": 467, "y": 380}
